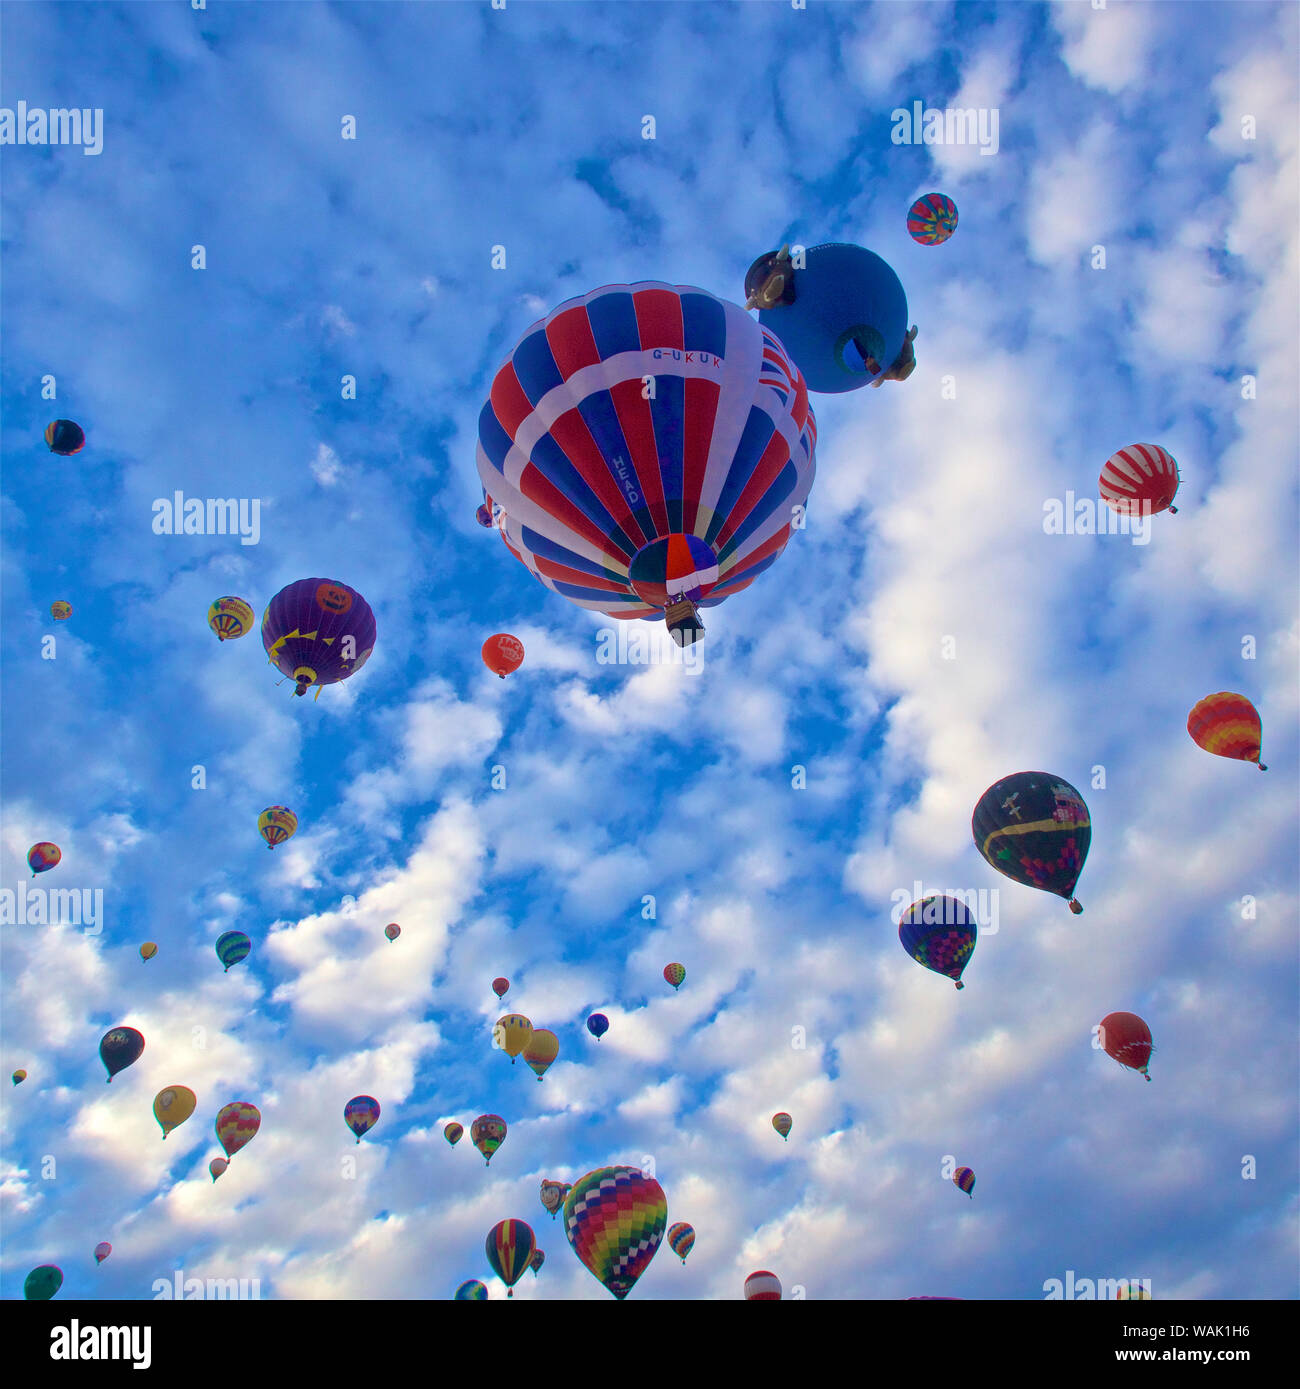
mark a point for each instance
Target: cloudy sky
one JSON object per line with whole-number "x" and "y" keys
{"x": 1125, "y": 270}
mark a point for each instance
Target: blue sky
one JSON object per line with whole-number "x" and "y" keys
{"x": 1119, "y": 128}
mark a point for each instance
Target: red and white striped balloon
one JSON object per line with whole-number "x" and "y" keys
{"x": 1140, "y": 480}
{"x": 762, "y": 1287}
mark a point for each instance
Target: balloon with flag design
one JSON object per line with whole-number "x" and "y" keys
{"x": 510, "y": 1245}
{"x": 1227, "y": 725}
{"x": 615, "y": 1218}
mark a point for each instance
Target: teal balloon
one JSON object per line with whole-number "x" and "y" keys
{"x": 233, "y": 947}
{"x": 473, "y": 1291}
{"x": 42, "y": 1283}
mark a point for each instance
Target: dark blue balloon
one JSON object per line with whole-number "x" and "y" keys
{"x": 939, "y": 933}
{"x": 598, "y": 1025}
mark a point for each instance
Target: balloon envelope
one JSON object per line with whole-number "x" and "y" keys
{"x": 18, "y": 1076}
{"x": 553, "y": 1194}
{"x": 43, "y": 856}
{"x": 60, "y": 611}
{"x": 512, "y": 1034}
{"x": 318, "y": 632}
{"x": 172, "y": 1106}
{"x": 361, "y": 1114}
{"x": 217, "y": 1166}
{"x": 65, "y": 437}
{"x": 1227, "y": 725}
{"x": 1141, "y": 480}
{"x": 675, "y": 974}
{"x": 939, "y": 933}
{"x": 276, "y": 824}
{"x": 119, "y": 1048}
{"x": 1127, "y": 1039}
{"x": 1034, "y": 828}
{"x": 598, "y": 1025}
{"x": 42, "y": 1283}
{"x": 964, "y": 1180}
{"x": 232, "y": 946}
{"x": 148, "y": 950}
{"x": 502, "y": 654}
{"x": 931, "y": 220}
{"x": 102, "y": 1250}
{"x": 762, "y": 1286}
{"x": 510, "y": 1245}
{"x": 499, "y": 987}
{"x": 237, "y": 1124}
{"x": 230, "y": 618}
{"x": 471, "y": 1291}
{"x": 392, "y": 930}
{"x": 615, "y": 1218}
{"x": 452, "y": 1133}
{"x": 487, "y": 1133}
{"x": 782, "y": 1123}
{"x": 681, "y": 1239}
{"x": 540, "y": 1050}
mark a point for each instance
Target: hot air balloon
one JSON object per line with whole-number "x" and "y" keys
{"x": 102, "y": 1250}
{"x": 964, "y": 1180}
{"x": 60, "y": 611}
{"x": 1141, "y": 480}
{"x": 598, "y": 1025}
{"x": 939, "y": 933}
{"x": 1227, "y": 725}
{"x": 471, "y": 1291}
{"x": 512, "y": 1033}
{"x": 553, "y": 1194}
{"x": 230, "y": 618}
{"x": 500, "y": 987}
{"x": 1131, "y": 1291}
{"x": 452, "y": 1133}
{"x": 674, "y": 974}
{"x": 318, "y": 632}
{"x": 42, "y": 1283}
{"x": 392, "y": 930}
{"x": 614, "y": 1218}
{"x": 1126, "y": 1038}
{"x": 217, "y": 1166}
{"x": 119, "y": 1048}
{"x": 18, "y": 1077}
{"x": 43, "y": 856}
{"x": 237, "y": 1124}
{"x": 540, "y": 1050}
{"x": 65, "y": 437}
{"x": 487, "y": 1133}
{"x": 361, "y": 1114}
{"x": 503, "y": 654}
{"x": 510, "y": 1245}
{"x": 172, "y": 1106}
{"x": 681, "y": 1239}
{"x": 931, "y": 220}
{"x": 484, "y": 516}
{"x": 276, "y": 824}
{"x": 783, "y": 1123}
{"x": 762, "y": 1287}
{"x": 1034, "y": 828}
{"x": 232, "y": 946}
{"x": 148, "y": 950}
{"x": 536, "y": 1262}
{"x": 842, "y": 317}
{"x": 641, "y": 503}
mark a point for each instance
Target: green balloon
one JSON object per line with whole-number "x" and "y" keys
{"x": 42, "y": 1283}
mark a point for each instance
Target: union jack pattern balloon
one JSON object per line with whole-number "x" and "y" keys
{"x": 1140, "y": 480}
{"x": 646, "y": 442}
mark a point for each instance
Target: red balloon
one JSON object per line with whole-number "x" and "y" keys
{"x": 1127, "y": 1039}
{"x": 503, "y": 653}
{"x": 762, "y": 1287}
{"x": 499, "y": 987}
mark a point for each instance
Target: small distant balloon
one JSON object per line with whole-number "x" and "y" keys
{"x": 598, "y": 1025}
{"x": 1227, "y": 725}
{"x": 60, "y": 611}
{"x": 102, "y": 1250}
{"x": 119, "y": 1048}
{"x": 487, "y": 1133}
{"x": 484, "y": 516}
{"x": 510, "y": 1245}
{"x": 762, "y": 1287}
{"x": 674, "y": 974}
{"x": 939, "y": 933}
{"x": 503, "y": 654}
{"x": 172, "y": 1106}
{"x": 43, "y": 856}
{"x": 361, "y": 1114}
{"x": 230, "y": 618}
{"x": 392, "y": 930}
{"x": 217, "y": 1166}
{"x": 471, "y": 1291}
{"x": 964, "y": 1180}
{"x": 500, "y": 986}
{"x": 452, "y": 1133}
{"x": 42, "y": 1283}
{"x": 148, "y": 950}
{"x": 931, "y": 220}
{"x": 553, "y": 1194}
{"x": 232, "y": 946}
{"x": 512, "y": 1033}
{"x": 783, "y": 1123}
{"x": 541, "y": 1050}
{"x": 65, "y": 437}
{"x": 18, "y": 1077}
{"x": 536, "y": 1262}
{"x": 1127, "y": 1039}
{"x": 1140, "y": 480}
{"x": 276, "y": 824}
{"x": 1132, "y": 1292}
{"x": 237, "y": 1124}
{"x": 681, "y": 1239}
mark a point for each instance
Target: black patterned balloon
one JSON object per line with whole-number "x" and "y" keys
{"x": 1034, "y": 827}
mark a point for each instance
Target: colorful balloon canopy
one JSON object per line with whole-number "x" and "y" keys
{"x": 452, "y": 1133}
{"x": 232, "y": 946}
{"x": 615, "y": 1218}
{"x": 931, "y": 220}
{"x": 217, "y": 1166}
{"x": 540, "y": 1050}
{"x": 18, "y": 1077}
{"x": 318, "y": 632}
{"x": 512, "y": 1033}
{"x": 964, "y": 1180}
{"x": 640, "y": 502}
{"x": 1132, "y": 1292}
{"x": 119, "y": 1048}
{"x": 361, "y": 1114}
{"x": 510, "y": 1245}
{"x": 148, "y": 950}
{"x": 43, "y": 856}
{"x": 60, "y": 611}
{"x": 675, "y": 974}
{"x": 471, "y": 1291}
{"x": 939, "y": 933}
{"x": 65, "y": 437}
{"x": 536, "y": 1262}
{"x": 172, "y": 1106}
{"x": 42, "y": 1283}
{"x": 1127, "y": 1039}
{"x": 553, "y": 1194}
{"x": 487, "y": 1133}
{"x": 276, "y": 824}
{"x": 230, "y": 618}
{"x": 598, "y": 1025}
{"x": 392, "y": 930}
{"x": 681, "y": 1239}
{"x": 503, "y": 654}
{"x": 102, "y": 1250}
{"x": 1034, "y": 828}
{"x": 842, "y": 317}
{"x": 783, "y": 1123}
{"x": 500, "y": 987}
{"x": 1227, "y": 725}
{"x": 762, "y": 1286}
{"x": 1140, "y": 480}
{"x": 237, "y": 1125}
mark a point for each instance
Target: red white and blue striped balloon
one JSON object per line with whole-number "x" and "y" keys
{"x": 1140, "y": 480}
{"x": 643, "y": 442}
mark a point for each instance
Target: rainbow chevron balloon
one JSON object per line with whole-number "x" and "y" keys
{"x": 614, "y": 1218}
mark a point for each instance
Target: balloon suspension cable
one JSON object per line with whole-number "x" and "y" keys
{"x": 1075, "y": 907}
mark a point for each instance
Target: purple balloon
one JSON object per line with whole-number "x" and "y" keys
{"x": 318, "y": 632}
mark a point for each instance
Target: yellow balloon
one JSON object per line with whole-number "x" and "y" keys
{"x": 512, "y": 1034}
{"x": 543, "y": 1047}
{"x": 172, "y": 1106}
{"x": 148, "y": 950}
